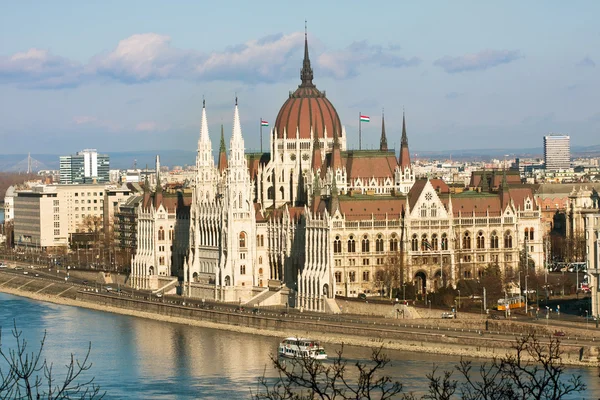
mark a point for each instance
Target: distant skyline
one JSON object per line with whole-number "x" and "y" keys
{"x": 126, "y": 76}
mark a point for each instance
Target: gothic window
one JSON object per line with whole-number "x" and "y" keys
{"x": 379, "y": 244}
{"x": 352, "y": 276}
{"x": 433, "y": 210}
{"x": 480, "y": 240}
{"x": 425, "y": 243}
{"x": 444, "y": 241}
{"x": 530, "y": 233}
{"x": 351, "y": 244}
{"x": 161, "y": 260}
{"x": 270, "y": 193}
{"x": 227, "y": 281}
{"x": 466, "y": 245}
{"x": 365, "y": 276}
{"x": 337, "y": 245}
{"x": 242, "y": 270}
{"x": 240, "y": 199}
{"x": 414, "y": 243}
{"x": 526, "y": 234}
{"x": 528, "y": 205}
{"x": 423, "y": 210}
{"x": 242, "y": 239}
{"x": 394, "y": 243}
{"x": 508, "y": 240}
{"x": 338, "y": 277}
{"x": 434, "y": 242}
{"x": 494, "y": 240}
{"x": 171, "y": 234}
{"x": 161, "y": 233}
{"x": 365, "y": 244}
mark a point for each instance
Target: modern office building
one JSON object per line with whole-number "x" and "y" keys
{"x": 557, "y": 152}
{"x": 86, "y": 166}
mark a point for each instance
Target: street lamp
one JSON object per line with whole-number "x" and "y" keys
{"x": 586, "y": 319}
{"x": 458, "y": 298}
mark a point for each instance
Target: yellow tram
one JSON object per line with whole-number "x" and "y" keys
{"x": 511, "y": 303}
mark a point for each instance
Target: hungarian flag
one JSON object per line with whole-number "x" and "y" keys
{"x": 263, "y": 123}
{"x": 364, "y": 118}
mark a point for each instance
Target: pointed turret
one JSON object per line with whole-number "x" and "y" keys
{"x": 222, "y": 152}
{"x": 204, "y": 136}
{"x": 404, "y": 161}
{"x": 336, "y": 154}
{"x": 485, "y": 187}
{"x": 504, "y": 193}
{"x": 317, "y": 162}
{"x": 383, "y": 141}
{"x": 159, "y": 192}
{"x": 334, "y": 204}
{"x": 237, "y": 129}
{"x": 306, "y": 74}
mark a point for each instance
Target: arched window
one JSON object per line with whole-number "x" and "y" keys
{"x": 338, "y": 277}
{"x": 414, "y": 243}
{"x": 270, "y": 193}
{"x": 480, "y": 240}
{"x": 227, "y": 281}
{"x": 508, "y": 240}
{"x": 433, "y": 210}
{"x": 337, "y": 245}
{"x": 259, "y": 263}
{"x": 526, "y": 234}
{"x": 466, "y": 245}
{"x": 444, "y": 241}
{"x": 365, "y": 244}
{"x": 351, "y": 244}
{"x": 530, "y": 233}
{"x": 425, "y": 243}
{"x": 379, "y": 244}
{"x": 365, "y": 276}
{"x": 242, "y": 239}
{"x": 494, "y": 240}
{"x": 394, "y": 243}
{"x": 161, "y": 233}
{"x": 434, "y": 242}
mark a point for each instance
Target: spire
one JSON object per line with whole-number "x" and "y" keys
{"x": 306, "y": 75}
{"x": 237, "y": 129}
{"x": 204, "y": 137}
{"x": 404, "y": 161}
{"x": 504, "y": 182}
{"x": 336, "y": 155}
{"x": 316, "y": 156}
{"x": 158, "y": 193}
{"x": 335, "y": 201}
{"x": 383, "y": 142}
{"x": 222, "y": 153}
{"x": 485, "y": 187}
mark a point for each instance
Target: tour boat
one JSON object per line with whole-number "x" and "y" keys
{"x": 293, "y": 347}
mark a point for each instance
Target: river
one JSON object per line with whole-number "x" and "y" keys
{"x": 136, "y": 358}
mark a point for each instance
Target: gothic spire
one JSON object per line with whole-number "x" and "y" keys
{"x": 485, "y": 187}
{"x": 204, "y": 136}
{"x": 316, "y": 156}
{"x": 404, "y": 136}
{"x": 383, "y": 142}
{"x": 306, "y": 75}
{"x": 222, "y": 152}
{"x": 404, "y": 161}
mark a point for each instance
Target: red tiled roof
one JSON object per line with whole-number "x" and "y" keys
{"x": 369, "y": 164}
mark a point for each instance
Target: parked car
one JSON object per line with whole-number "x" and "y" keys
{"x": 159, "y": 295}
{"x": 362, "y": 296}
{"x": 447, "y": 315}
{"x": 84, "y": 282}
{"x": 25, "y": 273}
{"x": 559, "y": 333}
{"x": 255, "y": 311}
{"x": 108, "y": 288}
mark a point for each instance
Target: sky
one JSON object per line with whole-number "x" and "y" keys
{"x": 131, "y": 75}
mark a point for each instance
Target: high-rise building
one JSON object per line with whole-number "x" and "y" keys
{"x": 557, "y": 152}
{"x": 86, "y": 166}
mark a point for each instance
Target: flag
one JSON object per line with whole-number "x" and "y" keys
{"x": 364, "y": 118}
{"x": 426, "y": 244}
{"x": 263, "y": 123}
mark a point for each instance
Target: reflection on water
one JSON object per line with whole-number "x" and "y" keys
{"x": 138, "y": 358}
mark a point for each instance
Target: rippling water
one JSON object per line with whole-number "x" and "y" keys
{"x": 136, "y": 358}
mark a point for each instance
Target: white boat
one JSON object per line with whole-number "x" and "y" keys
{"x": 293, "y": 347}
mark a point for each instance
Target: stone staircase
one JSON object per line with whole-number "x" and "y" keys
{"x": 165, "y": 288}
{"x": 331, "y": 306}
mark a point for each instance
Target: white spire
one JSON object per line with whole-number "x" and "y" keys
{"x": 204, "y": 137}
{"x": 237, "y": 129}
{"x": 236, "y": 145}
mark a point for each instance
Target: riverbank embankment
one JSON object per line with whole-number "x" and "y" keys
{"x": 414, "y": 335}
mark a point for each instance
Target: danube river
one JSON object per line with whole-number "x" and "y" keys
{"x": 136, "y": 358}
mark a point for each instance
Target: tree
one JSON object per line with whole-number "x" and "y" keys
{"x": 29, "y": 376}
{"x": 533, "y": 371}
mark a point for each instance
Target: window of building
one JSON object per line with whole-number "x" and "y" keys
{"x": 380, "y": 261}
{"x": 161, "y": 260}
{"x": 494, "y": 240}
{"x": 365, "y": 244}
{"x": 352, "y": 262}
{"x": 260, "y": 260}
{"x": 242, "y": 270}
{"x": 508, "y": 240}
{"x": 365, "y": 276}
{"x": 76, "y": 194}
{"x": 425, "y": 245}
{"x": 338, "y": 263}
{"x": 56, "y": 232}
{"x": 530, "y": 233}
{"x": 433, "y": 210}
{"x": 467, "y": 258}
{"x": 56, "y": 217}
{"x": 76, "y": 201}
{"x": 423, "y": 210}
{"x": 338, "y": 277}
{"x": 242, "y": 256}
{"x": 242, "y": 239}
{"x": 434, "y": 242}
{"x": 352, "y": 276}
{"x": 379, "y": 244}
{"x": 414, "y": 243}
{"x": 337, "y": 245}
{"x": 481, "y": 257}
{"x": 526, "y": 234}
{"x": 466, "y": 241}
{"x": 260, "y": 240}
{"x": 480, "y": 240}
{"x": 365, "y": 261}
{"x": 161, "y": 248}
{"x": 161, "y": 233}
{"x": 57, "y": 224}
{"x": 351, "y": 244}
{"x": 394, "y": 243}
{"x": 55, "y": 203}
{"x": 444, "y": 241}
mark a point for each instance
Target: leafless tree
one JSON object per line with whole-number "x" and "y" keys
{"x": 27, "y": 375}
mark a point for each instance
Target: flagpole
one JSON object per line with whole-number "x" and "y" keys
{"x": 359, "y": 131}
{"x": 260, "y": 122}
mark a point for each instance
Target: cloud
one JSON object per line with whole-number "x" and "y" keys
{"x": 586, "y": 62}
{"x": 150, "y": 57}
{"x": 478, "y": 61}
{"x": 345, "y": 63}
{"x": 40, "y": 69}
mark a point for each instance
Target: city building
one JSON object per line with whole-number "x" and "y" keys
{"x": 310, "y": 220}
{"x": 557, "y": 152}
{"x": 592, "y": 244}
{"x": 86, "y": 166}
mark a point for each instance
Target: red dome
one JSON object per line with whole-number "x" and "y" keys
{"x": 307, "y": 108}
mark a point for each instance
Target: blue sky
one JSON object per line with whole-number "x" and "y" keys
{"x": 131, "y": 75}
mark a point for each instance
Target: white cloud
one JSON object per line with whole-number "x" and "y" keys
{"x": 477, "y": 61}
{"x": 151, "y": 56}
